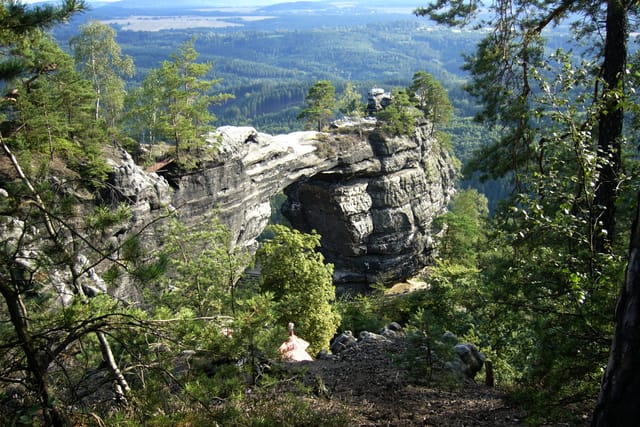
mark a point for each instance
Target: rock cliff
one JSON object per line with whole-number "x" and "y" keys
{"x": 372, "y": 198}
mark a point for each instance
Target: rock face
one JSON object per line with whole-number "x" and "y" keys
{"x": 372, "y": 198}
{"x": 375, "y": 207}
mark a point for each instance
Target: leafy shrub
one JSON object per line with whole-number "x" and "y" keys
{"x": 361, "y": 313}
{"x": 399, "y": 117}
{"x": 302, "y": 284}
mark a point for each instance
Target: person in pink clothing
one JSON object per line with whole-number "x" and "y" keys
{"x": 295, "y": 348}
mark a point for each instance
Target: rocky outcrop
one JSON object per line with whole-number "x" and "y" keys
{"x": 378, "y": 100}
{"x": 375, "y": 207}
{"x": 372, "y": 198}
{"x": 446, "y": 358}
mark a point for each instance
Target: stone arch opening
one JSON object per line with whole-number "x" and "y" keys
{"x": 371, "y": 197}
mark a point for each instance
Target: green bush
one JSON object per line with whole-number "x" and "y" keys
{"x": 361, "y": 313}
{"x": 302, "y": 284}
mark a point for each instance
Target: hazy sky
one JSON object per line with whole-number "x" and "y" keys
{"x": 58, "y": 1}
{"x": 217, "y": 3}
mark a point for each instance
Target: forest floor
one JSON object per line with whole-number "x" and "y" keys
{"x": 370, "y": 386}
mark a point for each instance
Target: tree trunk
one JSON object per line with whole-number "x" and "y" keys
{"x": 122, "y": 388}
{"x": 610, "y": 125}
{"x": 618, "y": 401}
{"x": 37, "y": 363}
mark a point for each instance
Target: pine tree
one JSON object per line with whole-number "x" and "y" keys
{"x": 144, "y": 110}
{"x": 53, "y": 115}
{"x": 350, "y": 102}
{"x": 399, "y": 117}
{"x": 431, "y": 98}
{"x": 320, "y": 104}
{"x": 18, "y": 22}
{"x": 186, "y": 99}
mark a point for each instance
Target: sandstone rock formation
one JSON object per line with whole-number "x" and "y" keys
{"x": 378, "y": 100}
{"x": 375, "y": 207}
{"x": 372, "y": 198}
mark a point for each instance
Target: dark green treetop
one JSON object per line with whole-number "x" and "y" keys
{"x": 321, "y": 102}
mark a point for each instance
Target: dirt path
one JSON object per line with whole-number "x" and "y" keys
{"x": 376, "y": 392}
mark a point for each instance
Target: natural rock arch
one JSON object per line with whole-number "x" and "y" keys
{"x": 372, "y": 198}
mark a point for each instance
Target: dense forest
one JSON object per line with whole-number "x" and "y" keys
{"x": 270, "y": 68}
{"x": 545, "y": 108}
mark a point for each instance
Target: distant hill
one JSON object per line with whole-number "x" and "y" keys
{"x": 309, "y": 4}
{"x": 269, "y": 53}
{"x": 151, "y": 5}
{"x": 305, "y": 6}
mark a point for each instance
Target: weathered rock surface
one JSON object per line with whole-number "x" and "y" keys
{"x": 371, "y": 198}
{"x": 374, "y": 208}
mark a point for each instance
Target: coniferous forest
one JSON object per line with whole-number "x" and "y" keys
{"x": 535, "y": 260}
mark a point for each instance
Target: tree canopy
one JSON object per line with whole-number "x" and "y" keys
{"x": 399, "y": 117}
{"x": 350, "y": 101}
{"x": 508, "y": 73}
{"x": 301, "y": 282}
{"x": 431, "y": 98}
{"x": 18, "y": 21}
{"x": 561, "y": 119}
{"x": 321, "y": 101}
{"x": 174, "y": 102}
{"x": 100, "y": 60}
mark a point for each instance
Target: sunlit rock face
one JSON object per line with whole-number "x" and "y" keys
{"x": 375, "y": 220}
{"x": 372, "y": 198}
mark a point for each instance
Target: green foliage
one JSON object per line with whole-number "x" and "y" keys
{"x": 302, "y": 284}
{"x": 288, "y": 409}
{"x": 427, "y": 353}
{"x": 214, "y": 310}
{"x": 143, "y": 119}
{"x": 321, "y": 101}
{"x": 101, "y": 62}
{"x": 462, "y": 234}
{"x": 399, "y": 118}
{"x": 262, "y": 408}
{"x": 58, "y": 321}
{"x": 431, "y": 98}
{"x": 549, "y": 284}
{"x": 451, "y": 12}
{"x": 551, "y": 311}
{"x": 19, "y": 22}
{"x": 103, "y": 217}
{"x": 552, "y": 292}
{"x": 50, "y": 117}
{"x": 350, "y": 101}
{"x": 174, "y": 102}
{"x": 363, "y": 312}
{"x": 207, "y": 268}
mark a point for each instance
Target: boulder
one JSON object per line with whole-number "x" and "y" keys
{"x": 468, "y": 361}
{"x": 342, "y": 342}
{"x": 366, "y": 336}
{"x": 392, "y": 331}
{"x": 377, "y": 100}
